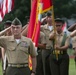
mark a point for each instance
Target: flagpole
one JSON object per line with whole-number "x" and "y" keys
{"x": 53, "y": 22}
{"x": 31, "y": 3}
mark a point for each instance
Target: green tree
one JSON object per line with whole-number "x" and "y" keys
{"x": 64, "y": 8}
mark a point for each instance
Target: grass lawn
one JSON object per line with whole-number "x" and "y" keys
{"x": 0, "y": 68}
{"x": 72, "y": 69}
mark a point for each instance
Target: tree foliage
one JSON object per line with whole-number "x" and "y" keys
{"x": 21, "y": 10}
{"x": 62, "y": 8}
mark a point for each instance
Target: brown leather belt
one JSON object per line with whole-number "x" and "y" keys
{"x": 17, "y": 65}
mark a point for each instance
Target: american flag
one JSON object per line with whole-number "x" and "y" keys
{"x": 5, "y": 7}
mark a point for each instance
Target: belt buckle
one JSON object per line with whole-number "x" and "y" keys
{"x": 17, "y": 66}
{"x": 57, "y": 52}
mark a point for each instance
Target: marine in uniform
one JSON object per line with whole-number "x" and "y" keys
{"x": 4, "y": 59}
{"x": 18, "y": 49}
{"x": 73, "y": 36}
{"x": 47, "y": 29}
{"x": 41, "y": 46}
{"x": 59, "y": 59}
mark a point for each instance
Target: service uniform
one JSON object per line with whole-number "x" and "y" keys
{"x": 39, "y": 69}
{"x": 5, "y": 61}
{"x": 46, "y": 53}
{"x": 74, "y": 45}
{"x": 60, "y": 63}
{"x": 17, "y": 54}
{"x": 0, "y": 54}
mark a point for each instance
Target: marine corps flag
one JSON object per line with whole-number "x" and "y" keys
{"x": 35, "y": 18}
{"x": 47, "y": 5}
{"x": 34, "y": 24}
{"x": 38, "y": 7}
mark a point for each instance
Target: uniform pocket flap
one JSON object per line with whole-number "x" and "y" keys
{"x": 11, "y": 48}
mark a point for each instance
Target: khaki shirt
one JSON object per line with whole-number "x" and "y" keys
{"x": 17, "y": 53}
{"x": 74, "y": 41}
{"x": 42, "y": 39}
{"x": 74, "y": 44}
{"x": 59, "y": 38}
{"x": 45, "y": 29}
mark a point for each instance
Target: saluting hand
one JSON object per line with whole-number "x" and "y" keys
{"x": 8, "y": 31}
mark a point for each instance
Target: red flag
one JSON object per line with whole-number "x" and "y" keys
{"x": 38, "y": 6}
{"x": 64, "y": 28}
{"x": 47, "y": 5}
{"x": 34, "y": 24}
{"x": 5, "y": 7}
{"x": 30, "y": 62}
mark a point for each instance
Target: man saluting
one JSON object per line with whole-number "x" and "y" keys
{"x": 17, "y": 49}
